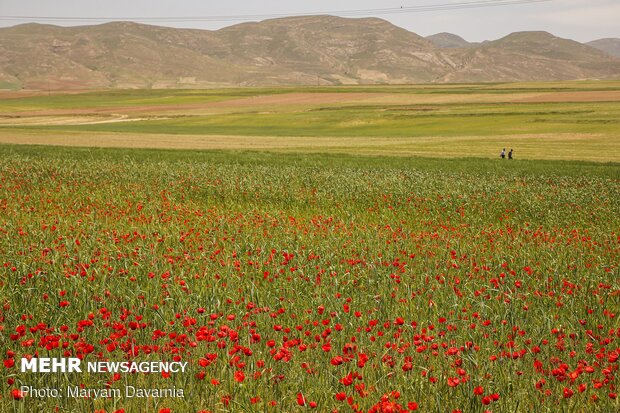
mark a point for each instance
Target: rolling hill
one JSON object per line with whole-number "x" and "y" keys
{"x": 532, "y": 56}
{"x": 610, "y": 46}
{"x": 287, "y": 51}
{"x": 449, "y": 41}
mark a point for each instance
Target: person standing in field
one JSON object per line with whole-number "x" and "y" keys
{"x": 502, "y": 154}
{"x": 510, "y": 154}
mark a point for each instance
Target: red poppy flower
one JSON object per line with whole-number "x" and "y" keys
{"x": 239, "y": 376}
{"x": 300, "y": 399}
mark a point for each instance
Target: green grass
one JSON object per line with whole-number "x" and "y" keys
{"x": 400, "y": 121}
{"x": 461, "y": 120}
{"x": 349, "y": 119}
{"x": 168, "y": 238}
{"x": 115, "y": 98}
{"x": 129, "y": 97}
{"x": 249, "y": 159}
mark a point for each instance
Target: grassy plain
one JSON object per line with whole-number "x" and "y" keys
{"x": 311, "y": 282}
{"x": 301, "y": 261}
{"x": 571, "y": 120}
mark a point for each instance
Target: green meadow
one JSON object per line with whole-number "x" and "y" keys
{"x": 377, "y": 120}
{"x": 569, "y": 120}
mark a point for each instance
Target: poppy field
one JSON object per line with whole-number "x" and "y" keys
{"x": 309, "y": 283}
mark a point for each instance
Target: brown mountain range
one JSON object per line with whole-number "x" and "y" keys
{"x": 449, "y": 41}
{"x": 288, "y": 51}
{"x": 609, "y": 45}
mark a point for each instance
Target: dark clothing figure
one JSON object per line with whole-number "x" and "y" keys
{"x": 510, "y": 154}
{"x": 503, "y": 153}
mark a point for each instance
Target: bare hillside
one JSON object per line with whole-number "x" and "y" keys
{"x": 610, "y": 46}
{"x": 288, "y": 51}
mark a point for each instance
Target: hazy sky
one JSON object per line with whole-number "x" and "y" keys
{"x": 582, "y": 20}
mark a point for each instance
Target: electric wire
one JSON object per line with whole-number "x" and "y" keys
{"x": 248, "y": 17}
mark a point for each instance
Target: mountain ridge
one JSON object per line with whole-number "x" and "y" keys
{"x": 608, "y": 45}
{"x": 445, "y": 40}
{"x": 308, "y": 50}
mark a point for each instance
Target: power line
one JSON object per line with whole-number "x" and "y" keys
{"x": 244, "y": 17}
